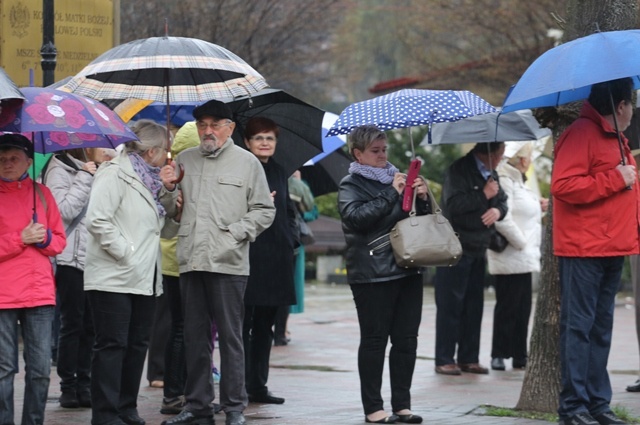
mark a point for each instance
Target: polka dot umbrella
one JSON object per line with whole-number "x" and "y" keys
{"x": 410, "y": 107}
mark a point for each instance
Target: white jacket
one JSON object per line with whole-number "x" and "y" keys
{"x": 71, "y": 188}
{"x": 123, "y": 245}
{"x": 521, "y": 226}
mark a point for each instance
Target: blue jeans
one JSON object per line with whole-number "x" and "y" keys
{"x": 36, "y": 335}
{"x": 589, "y": 287}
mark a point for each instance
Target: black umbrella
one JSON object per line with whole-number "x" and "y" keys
{"x": 300, "y": 125}
{"x": 324, "y": 176}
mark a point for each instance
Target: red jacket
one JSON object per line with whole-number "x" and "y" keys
{"x": 26, "y": 276}
{"x": 594, "y": 215}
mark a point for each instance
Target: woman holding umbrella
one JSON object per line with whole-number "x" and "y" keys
{"x": 27, "y": 291}
{"x": 133, "y": 201}
{"x": 388, "y": 298}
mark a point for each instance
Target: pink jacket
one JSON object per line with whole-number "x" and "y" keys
{"x": 26, "y": 276}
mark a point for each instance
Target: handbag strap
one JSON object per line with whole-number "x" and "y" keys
{"x": 435, "y": 208}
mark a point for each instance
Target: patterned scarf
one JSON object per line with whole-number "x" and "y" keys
{"x": 150, "y": 177}
{"x": 383, "y": 175}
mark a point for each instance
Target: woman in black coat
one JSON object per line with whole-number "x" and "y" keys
{"x": 388, "y": 298}
{"x": 271, "y": 260}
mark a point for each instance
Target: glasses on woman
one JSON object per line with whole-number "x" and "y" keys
{"x": 269, "y": 139}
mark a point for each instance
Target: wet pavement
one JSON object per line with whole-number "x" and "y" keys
{"x": 317, "y": 373}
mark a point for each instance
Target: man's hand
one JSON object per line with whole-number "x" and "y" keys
{"x": 628, "y": 173}
{"x": 168, "y": 176}
{"x": 490, "y": 216}
{"x": 544, "y": 204}
{"x": 491, "y": 188}
{"x": 33, "y": 233}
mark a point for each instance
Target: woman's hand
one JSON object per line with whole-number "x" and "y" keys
{"x": 399, "y": 181}
{"x": 90, "y": 167}
{"x": 33, "y": 233}
{"x": 420, "y": 186}
{"x": 168, "y": 175}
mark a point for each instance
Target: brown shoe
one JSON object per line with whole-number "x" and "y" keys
{"x": 448, "y": 369}
{"x": 474, "y": 368}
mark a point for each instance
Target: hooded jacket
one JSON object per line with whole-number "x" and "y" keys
{"x": 123, "y": 246}
{"x": 26, "y": 275}
{"x": 70, "y": 187}
{"x": 594, "y": 215}
{"x": 521, "y": 226}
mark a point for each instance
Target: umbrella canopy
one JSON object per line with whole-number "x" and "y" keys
{"x": 300, "y": 125}
{"x": 8, "y": 89}
{"x": 567, "y": 72}
{"x": 491, "y": 127}
{"x": 167, "y": 69}
{"x": 324, "y": 175}
{"x": 56, "y": 120}
{"x": 411, "y": 107}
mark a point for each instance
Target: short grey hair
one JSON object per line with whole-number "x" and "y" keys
{"x": 362, "y": 137}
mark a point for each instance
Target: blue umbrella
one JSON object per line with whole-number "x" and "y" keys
{"x": 410, "y": 107}
{"x": 567, "y": 72}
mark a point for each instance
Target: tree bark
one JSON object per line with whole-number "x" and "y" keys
{"x": 541, "y": 386}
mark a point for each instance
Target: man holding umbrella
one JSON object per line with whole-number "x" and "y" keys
{"x": 227, "y": 204}
{"x": 595, "y": 194}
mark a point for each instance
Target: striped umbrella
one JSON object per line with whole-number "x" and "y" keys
{"x": 167, "y": 69}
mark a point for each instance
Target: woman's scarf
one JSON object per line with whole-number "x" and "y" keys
{"x": 150, "y": 177}
{"x": 383, "y": 175}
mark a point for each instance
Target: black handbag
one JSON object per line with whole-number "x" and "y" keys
{"x": 498, "y": 242}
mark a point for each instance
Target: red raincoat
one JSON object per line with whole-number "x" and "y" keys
{"x": 594, "y": 215}
{"x": 26, "y": 276}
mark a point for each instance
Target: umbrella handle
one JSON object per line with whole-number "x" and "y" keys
{"x": 47, "y": 240}
{"x": 180, "y": 174}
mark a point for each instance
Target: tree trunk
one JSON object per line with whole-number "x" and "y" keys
{"x": 541, "y": 386}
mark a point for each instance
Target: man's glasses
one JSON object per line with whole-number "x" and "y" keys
{"x": 214, "y": 126}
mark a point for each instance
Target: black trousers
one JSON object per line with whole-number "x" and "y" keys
{"x": 159, "y": 336}
{"x": 388, "y": 311}
{"x": 511, "y": 316}
{"x": 460, "y": 302}
{"x": 76, "y": 331}
{"x": 257, "y": 336}
{"x": 175, "y": 368}
{"x": 123, "y": 325}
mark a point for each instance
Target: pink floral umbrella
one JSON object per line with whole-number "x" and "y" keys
{"x": 55, "y": 120}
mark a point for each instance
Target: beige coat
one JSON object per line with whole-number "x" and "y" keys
{"x": 227, "y": 204}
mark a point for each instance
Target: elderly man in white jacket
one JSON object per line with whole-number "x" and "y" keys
{"x": 514, "y": 266}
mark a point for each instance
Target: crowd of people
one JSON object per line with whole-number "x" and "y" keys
{"x": 221, "y": 248}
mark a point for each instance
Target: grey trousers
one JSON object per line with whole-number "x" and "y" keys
{"x": 208, "y": 297}
{"x": 634, "y": 261}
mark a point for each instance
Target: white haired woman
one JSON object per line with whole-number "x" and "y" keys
{"x": 130, "y": 199}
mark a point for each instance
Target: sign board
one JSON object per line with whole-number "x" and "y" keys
{"x": 83, "y": 30}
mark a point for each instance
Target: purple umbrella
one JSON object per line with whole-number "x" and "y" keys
{"x": 55, "y": 120}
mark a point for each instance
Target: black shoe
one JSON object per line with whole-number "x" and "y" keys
{"x": 519, "y": 363}
{"x": 84, "y": 398}
{"x": 580, "y": 419}
{"x": 132, "y": 419}
{"x": 497, "y": 363}
{"x": 69, "y": 400}
{"x": 279, "y": 342}
{"x": 186, "y": 417}
{"x": 172, "y": 406}
{"x": 266, "y": 398}
{"x": 608, "y": 418}
{"x": 217, "y": 408}
{"x": 635, "y": 387}
{"x": 409, "y": 419}
{"x": 235, "y": 418}
{"x": 388, "y": 420}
